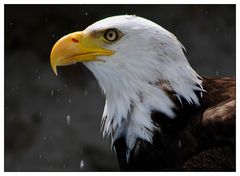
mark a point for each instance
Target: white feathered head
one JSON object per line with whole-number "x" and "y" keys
{"x": 134, "y": 60}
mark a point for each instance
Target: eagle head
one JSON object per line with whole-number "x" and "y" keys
{"x": 136, "y": 63}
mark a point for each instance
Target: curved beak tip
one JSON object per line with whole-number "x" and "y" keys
{"x": 55, "y": 71}
{"x": 54, "y": 67}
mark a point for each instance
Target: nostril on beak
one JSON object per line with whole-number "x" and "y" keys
{"x": 75, "y": 40}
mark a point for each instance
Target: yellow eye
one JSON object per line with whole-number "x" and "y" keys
{"x": 111, "y": 35}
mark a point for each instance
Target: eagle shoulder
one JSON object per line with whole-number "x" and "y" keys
{"x": 220, "y": 100}
{"x": 197, "y": 133}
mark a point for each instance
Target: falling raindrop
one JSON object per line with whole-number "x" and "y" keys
{"x": 68, "y": 119}
{"x": 52, "y": 92}
{"x": 179, "y": 143}
{"x": 40, "y": 156}
{"x": 86, "y": 13}
{"x": 85, "y": 92}
{"x": 53, "y": 36}
{"x": 70, "y": 100}
{"x": 39, "y": 77}
{"x": 44, "y": 138}
{"x": 57, "y": 100}
{"x": 81, "y": 164}
{"x": 216, "y": 73}
{"x": 206, "y": 12}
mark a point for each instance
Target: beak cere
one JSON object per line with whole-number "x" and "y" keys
{"x": 76, "y": 47}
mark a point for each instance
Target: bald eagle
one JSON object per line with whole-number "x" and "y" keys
{"x": 160, "y": 114}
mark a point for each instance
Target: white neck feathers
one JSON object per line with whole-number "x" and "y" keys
{"x": 146, "y": 55}
{"x": 132, "y": 95}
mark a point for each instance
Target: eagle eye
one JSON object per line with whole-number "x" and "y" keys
{"x": 111, "y": 35}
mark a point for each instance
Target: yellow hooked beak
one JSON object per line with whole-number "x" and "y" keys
{"x": 77, "y": 47}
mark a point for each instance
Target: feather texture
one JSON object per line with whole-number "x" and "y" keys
{"x": 146, "y": 55}
{"x": 197, "y": 139}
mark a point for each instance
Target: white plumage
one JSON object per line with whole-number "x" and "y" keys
{"x": 145, "y": 55}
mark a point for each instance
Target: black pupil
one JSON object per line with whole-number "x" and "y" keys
{"x": 111, "y": 35}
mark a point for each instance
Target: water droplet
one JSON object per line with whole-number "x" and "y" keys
{"x": 180, "y": 143}
{"x": 40, "y": 156}
{"x": 206, "y": 12}
{"x": 70, "y": 100}
{"x": 216, "y": 73}
{"x": 81, "y": 164}
{"x": 68, "y": 119}
{"x": 40, "y": 113}
{"x": 44, "y": 138}
{"x": 85, "y": 93}
{"x": 53, "y": 36}
{"x": 39, "y": 77}
{"x": 86, "y": 13}
{"x": 52, "y": 93}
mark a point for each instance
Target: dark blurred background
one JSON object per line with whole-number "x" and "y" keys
{"x": 53, "y": 123}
